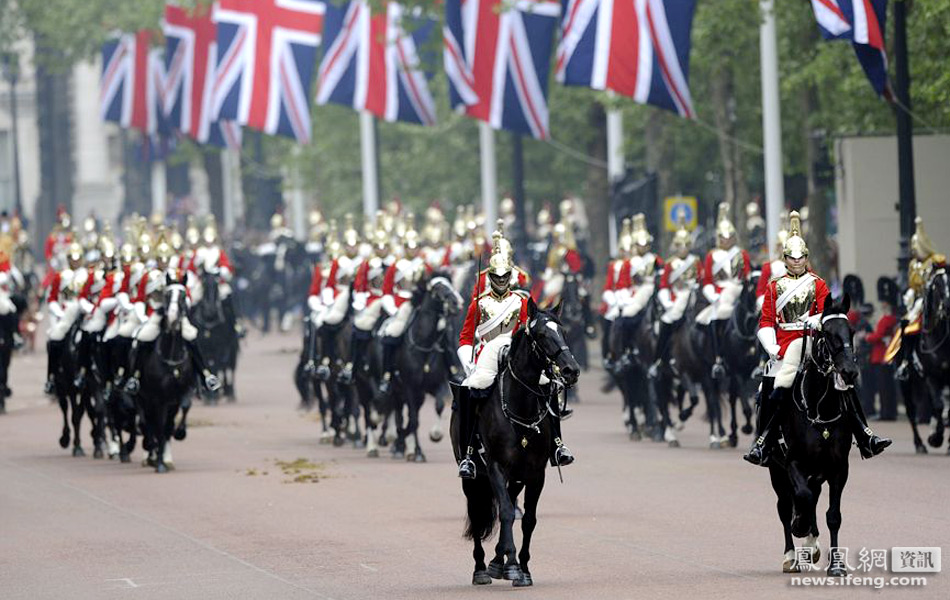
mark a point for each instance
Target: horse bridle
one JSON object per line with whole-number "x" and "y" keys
{"x": 158, "y": 347}
{"x": 826, "y": 370}
{"x": 534, "y": 422}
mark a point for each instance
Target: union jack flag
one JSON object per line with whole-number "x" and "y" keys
{"x": 372, "y": 62}
{"x": 637, "y": 48}
{"x": 497, "y": 55}
{"x": 132, "y": 82}
{"x": 862, "y": 23}
{"x": 266, "y": 53}
{"x": 190, "y": 53}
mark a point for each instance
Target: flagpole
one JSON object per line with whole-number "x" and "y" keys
{"x": 517, "y": 172}
{"x": 771, "y": 120}
{"x": 159, "y": 188}
{"x": 615, "y": 166}
{"x": 486, "y": 138}
{"x": 370, "y": 168}
{"x": 905, "y": 139}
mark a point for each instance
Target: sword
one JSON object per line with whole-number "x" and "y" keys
{"x": 478, "y": 291}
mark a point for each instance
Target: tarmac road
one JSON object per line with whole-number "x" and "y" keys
{"x": 632, "y": 520}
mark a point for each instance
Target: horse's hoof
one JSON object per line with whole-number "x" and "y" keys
{"x": 419, "y": 457}
{"x": 496, "y": 570}
{"x": 338, "y": 441}
{"x": 97, "y": 453}
{"x": 125, "y": 458}
{"x": 685, "y": 415}
{"x": 161, "y": 468}
{"x": 525, "y": 581}
{"x": 481, "y": 578}
{"x": 635, "y": 435}
{"x": 77, "y": 451}
{"x": 359, "y": 444}
{"x": 64, "y": 442}
{"x": 373, "y": 453}
{"x": 935, "y": 440}
{"x": 921, "y": 449}
{"x": 747, "y": 429}
{"x": 513, "y": 572}
{"x": 181, "y": 434}
{"x": 435, "y": 436}
{"x": 399, "y": 455}
{"x": 837, "y": 570}
{"x": 790, "y": 564}
{"x": 733, "y": 440}
{"x": 674, "y": 444}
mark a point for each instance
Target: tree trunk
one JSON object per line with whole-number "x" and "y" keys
{"x": 212, "y": 164}
{"x": 820, "y": 254}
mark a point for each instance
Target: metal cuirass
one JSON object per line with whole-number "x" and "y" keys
{"x": 490, "y": 307}
{"x": 689, "y": 272}
{"x": 799, "y": 305}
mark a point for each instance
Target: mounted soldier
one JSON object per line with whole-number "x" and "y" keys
{"x": 337, "y": 291}
{"x": 610, "y": 308}
{"x": 367, "y": 299}
{"x": 725, "y": 268}
{"x": 493, "y": 316}
{"x": 563, "y": 261}
{"x": 771, "y": 269}
{"x": 682, "y": 275}
{"x": 794, "y": 304}
{"x": 62, "y": 303}
{"x": 925, "y": 263}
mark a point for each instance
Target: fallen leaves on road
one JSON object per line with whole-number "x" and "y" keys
{"x": 301, "y": 470}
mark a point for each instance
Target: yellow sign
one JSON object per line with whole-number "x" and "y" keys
{"x": 676, "y": 208}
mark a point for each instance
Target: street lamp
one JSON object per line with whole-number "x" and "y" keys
{"x": 10, "y": 63}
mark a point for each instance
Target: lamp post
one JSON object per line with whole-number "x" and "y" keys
{"x": 11, "y": 72}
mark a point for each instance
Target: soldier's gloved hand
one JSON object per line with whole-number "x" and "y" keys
{"x": 813, "y": 322}
{"x": 465, "y": 357}
{"x": 773, "y": 351}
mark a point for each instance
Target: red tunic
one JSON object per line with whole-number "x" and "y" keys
{"x": 668, "y": 271}
{"x": 764, "y": 276}
{"x": 708, "y": 275}
{"x": 880, "y": 337}
{"x": 769, "y": 317}
{"x": 316, "y": 282}
{"x": 467, "y": 336}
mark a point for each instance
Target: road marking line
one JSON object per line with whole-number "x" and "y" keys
{"x": 131, "y": 583}
{"x": 369, "y": 568}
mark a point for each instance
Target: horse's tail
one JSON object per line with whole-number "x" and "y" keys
{"x": 482, "y": 509}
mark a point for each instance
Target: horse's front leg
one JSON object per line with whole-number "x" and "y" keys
{"x": 505, "y": 564}
{"x": 836, "y": 564}
{"x": 733, "y": 421}
{"x": 803, "y": 502}
{"x": 783, "y": 491}
{"x": 75, "y": 402}
{"x": 528, "y": 522}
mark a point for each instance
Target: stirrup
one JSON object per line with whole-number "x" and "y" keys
{"x": 467, "y": 468}
{"x": 385, "y": 384}
{"x": 563, "y": 456}
{"x": 654, "y": 371}
{"x": 212, "y": 382}
{"x": 757, "y": 454}
{"x": 875, "y": 445}
{"x": 718, "y": 371}
{"x": 322, "y": 372}
{"x": 48, "y": 387}
{"x": 133, "y": 385}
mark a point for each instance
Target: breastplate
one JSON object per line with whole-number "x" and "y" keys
{"x": 917, "y": 275}
{"x": 642, "y": 268}
{"x": 688, "y": 274}
{"x": 731, "y": 268}
{"x": 799, "y": 305}
{"x": 490, "y": 308}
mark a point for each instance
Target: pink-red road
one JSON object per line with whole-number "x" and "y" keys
{"x": 632, "y": 520}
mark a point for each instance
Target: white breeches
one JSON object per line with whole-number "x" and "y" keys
{"x": 785, "y": 369}
{"x": 915, "y": 310}
{"x": 632, "y": 307}
{"x": 6, "y": 304}
{"x": 395, "y": 326}
{"x": 366, "y": 318}
{"x": 486, "y": 366}
{"x": 128, "y": 322}
{"x": 59, "y": 327}
{"x": 152, "y": 328}
{"x": 677, "y": 308}
{"x": 95, "y": 322}
{"x": 724, "y": 305}
{"x": 338, "y": 309}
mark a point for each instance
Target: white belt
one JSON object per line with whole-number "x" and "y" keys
{"x": 791, "y": 326}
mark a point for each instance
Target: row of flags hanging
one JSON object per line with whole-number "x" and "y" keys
{"x": 252, "y": 62}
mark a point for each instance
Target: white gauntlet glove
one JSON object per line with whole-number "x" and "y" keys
{"x": 769, "y": 342}
{"x": 465, "y": 357}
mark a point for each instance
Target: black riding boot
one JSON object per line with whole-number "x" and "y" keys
{"x": 465, "y": 405}
{"x": 51, "y": 350}
{"x": 359, "y": 346}
{"x": 718, "y": 371}
{"x": 390, "y": 346}
{"x": 328, "y": 346}
{"x": 605, "y": 326}
{"x": 137, "y": 355}
{"x": 662, "y": 343}
{"x": 560, "y": 453}
{"x": 207, "y": 378}
{"x": 869, "y": 444}
{"x": 769, "y": 401}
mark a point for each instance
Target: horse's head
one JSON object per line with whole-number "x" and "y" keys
{"x": 175, "y": 302}
{"x": 547, "y": 342}
{"x": 937, "y": 307}
{"x": 835, "y": 344}
{"x": 440, "y": 290}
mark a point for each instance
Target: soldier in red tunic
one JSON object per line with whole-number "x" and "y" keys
{"x": 793, "y": 303}
{"x": 493, "y": 316}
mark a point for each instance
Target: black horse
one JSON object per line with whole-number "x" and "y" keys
{"x": 516, "y": 432}
{"x": 217, "y": 335}
{"x": 740, "y": 352}
{"x": 632, "y": 340}
{"x": 167, "y": 378}
{"x": 9, "y": 328}
{"x": 817, "y": 439}
{"x": 929, "y": 370}
{"x": 424, "y": 363}
{"x": 577, "y": 322}
{"x": 66, "y": 361}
